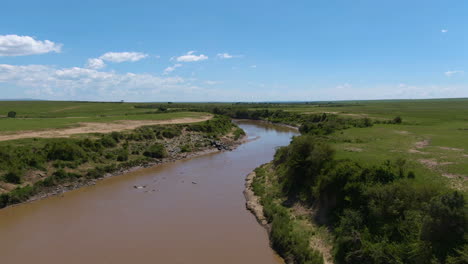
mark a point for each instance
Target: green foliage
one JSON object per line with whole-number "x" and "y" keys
{"x": 108, "y": 141}
{"x": 171, "y": 132}
{"x": 379, "y": 214}
{"x": 67, "y": 150}
{"x": 238, "y": 133}
{"x": 185, "y": 148}
{"x": 11, "y": 114}
{"x": 122, "y": 154}
{"x": 156, "y": 151}
{"x": 302, "y": 162}
{"x": 397, "y": 120}
{"x": 217, "y": 126}
{"x": 13, "y": 176}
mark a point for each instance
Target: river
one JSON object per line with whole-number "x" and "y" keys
{"x": 191, "y": 211}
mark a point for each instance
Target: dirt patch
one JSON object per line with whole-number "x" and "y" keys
{"x": 65, "y": 109}
{"x": 253, "y": 202}
{"x": 417, "y": 151}
{"x": 323, "y": 248}
{"x": 454, "y": 176}
{"x": 85, "y": 128}
{"x": 422, "y": 144}
{"x": 432, "y": 163}
{"x": 353, "y": 149}
{"x": 454, "y": 149}
{"x": 402, "y": 132}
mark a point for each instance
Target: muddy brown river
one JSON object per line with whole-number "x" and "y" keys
{"x": 196, "y": 214}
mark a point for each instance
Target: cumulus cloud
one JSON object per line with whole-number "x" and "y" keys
{"x": 452, "y": 73}
{"x": 89, "y": 84}
{"x": 444, "y": 30}
{"x": 227, "y": 56}
{"x": 171, "y": 68}
{"x": 191, "y": 57}
{"x": 95, "y": 63}
{"x": 123, "y": 56}
{"x": 117, "y": 57}
{"x": 14, "y": 45}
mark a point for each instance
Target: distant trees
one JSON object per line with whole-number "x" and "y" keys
{"x": 397, "y": 120}
{"x": 11, "y": 114}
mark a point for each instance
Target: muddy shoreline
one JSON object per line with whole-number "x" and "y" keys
{"x": 252, "y": 202}
{"x": 83, "y": 182}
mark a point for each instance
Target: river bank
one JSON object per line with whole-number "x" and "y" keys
{"x": 227, "y": 143}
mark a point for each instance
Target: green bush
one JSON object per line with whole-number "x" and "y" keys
{"x": 185, "y": 148}
{"x": 156, "y": 151}
{"x": 64, "y": 150}
{"x": 122, "y": 154}
{"x": 108, "y": 141}
{"x": 11, "y": 114}
{"x": 13, "y": 176}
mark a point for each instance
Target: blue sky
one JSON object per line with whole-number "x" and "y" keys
{"x": 233, "y": 50}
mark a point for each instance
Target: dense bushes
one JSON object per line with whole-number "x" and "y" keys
{"x": 69, "y": 159}
{"x": 217, "y": 126}
{"x": 288, "y": 239}
{"x": 378, "y": 214}
{"x": 64, "y": 150}
{"x": 156, "y": 151}
{"x": 13, "y": 176}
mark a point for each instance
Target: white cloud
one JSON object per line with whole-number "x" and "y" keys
{"x": 117, "y": 57}
{"x": 95, "y": 64}
{"x": 47, "y": 82}
{"x": 123, "y": 56}
{"x": 172, "y": 68}
{"x": 253, "y": 66}
{"x": 191, "y": 57}
{"x": 444, "y": 30}
{"x": 14, "y": 45}
{"x": 452, "y": 73}
{"x": 211, "y": 82}
{"x": 227, "y": 56}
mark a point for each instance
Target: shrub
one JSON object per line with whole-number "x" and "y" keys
{"x": 122, "y": 155}
{"x": 185, "y": 148}
{"x": 64, "y": 150}
{"x": 397, "y": 120}
{"x": 13, "y": 176}
{"x": 171, "y": 132}
{"x": 156, "y": 151}
{"x": 11, "y": 114}
{"x": 108, "y": 141}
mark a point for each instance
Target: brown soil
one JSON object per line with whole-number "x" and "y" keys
{"x": 86, "y": 128}
{"x": 454, "y": 149}
{"x": 402, "y": 132}
{"x": 353, "y": 149}
{"x": 422, "y": 144}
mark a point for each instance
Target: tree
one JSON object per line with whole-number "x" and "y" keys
{"x": 12, "y": 114}
{"x": 397, "y": 120}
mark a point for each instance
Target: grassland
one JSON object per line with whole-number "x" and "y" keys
{"x": 44, "y": 115}
{"x": 432, "y": 137}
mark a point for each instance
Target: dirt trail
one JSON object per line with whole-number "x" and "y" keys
{"x": 86, "y": 128}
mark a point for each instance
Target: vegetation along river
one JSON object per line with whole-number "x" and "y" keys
{"x": 191, "y": 211}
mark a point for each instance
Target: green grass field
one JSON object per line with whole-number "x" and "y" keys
{"x": 42, "y": 115}
{"x": 433, "y": 137}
